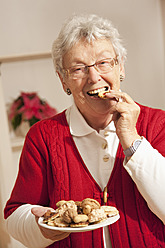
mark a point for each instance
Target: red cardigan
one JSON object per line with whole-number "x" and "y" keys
{"x": 52, "y": 169}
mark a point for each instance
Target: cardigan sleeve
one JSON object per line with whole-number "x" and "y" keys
{"x": 30, "y": 190}
{"x": 147, "y": 166}
{"x": 31, "y": 183}
{"x": 22, "y": 226}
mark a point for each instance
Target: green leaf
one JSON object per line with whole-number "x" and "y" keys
{"x": 33, "y": 120}
{"x": 16, "y": 121}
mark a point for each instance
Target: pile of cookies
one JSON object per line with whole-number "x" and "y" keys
{"x": 78, "y": 213}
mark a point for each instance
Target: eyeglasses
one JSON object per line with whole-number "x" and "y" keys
{"x": 102, "y": 66}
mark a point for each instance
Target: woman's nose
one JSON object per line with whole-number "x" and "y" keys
{"x": 93, "y": 75}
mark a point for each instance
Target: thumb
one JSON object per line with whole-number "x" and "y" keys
{"x": 40, "y": 211}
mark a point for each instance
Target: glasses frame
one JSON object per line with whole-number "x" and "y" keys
{"x": 86, "y": 67}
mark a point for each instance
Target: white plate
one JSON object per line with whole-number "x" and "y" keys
{"x": 91, "y": 227}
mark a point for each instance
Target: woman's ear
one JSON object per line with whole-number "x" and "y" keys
{"x": 122, "y": 70}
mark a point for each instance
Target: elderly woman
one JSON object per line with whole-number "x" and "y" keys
{"x": 98, "y": 143}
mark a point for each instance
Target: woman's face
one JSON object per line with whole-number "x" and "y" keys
{"x": 83, "y": 53}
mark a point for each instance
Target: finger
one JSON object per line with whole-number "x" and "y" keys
{"x": 120, "y": 107}
{"x": 56, "y": 236}
{"x": 62, "y": 236}
{"x": 40, "y": 211}
{"x": 119, "y": 95}
{"x": 116, "y": 116}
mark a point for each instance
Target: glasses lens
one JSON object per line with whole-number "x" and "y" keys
{"x": 77, "y": 71}
{"x": 105, "y": 65}
{"x": 80, "y": 71}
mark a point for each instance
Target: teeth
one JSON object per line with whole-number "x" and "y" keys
{"x": 94, "y": 92}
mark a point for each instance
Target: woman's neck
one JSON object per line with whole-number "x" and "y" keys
{"x": 100, "y": 122}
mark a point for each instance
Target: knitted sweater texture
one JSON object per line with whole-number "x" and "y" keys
{"x": 51, "y": 169}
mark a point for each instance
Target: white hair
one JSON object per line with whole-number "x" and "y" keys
{"x": 90, "y": 27}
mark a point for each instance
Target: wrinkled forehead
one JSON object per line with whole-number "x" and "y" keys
{"x": 82, "y": 51}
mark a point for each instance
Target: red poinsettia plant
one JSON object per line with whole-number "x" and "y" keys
{"x": 29, "y": 107}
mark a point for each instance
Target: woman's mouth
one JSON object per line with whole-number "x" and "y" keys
{"x": 97, "y": 91}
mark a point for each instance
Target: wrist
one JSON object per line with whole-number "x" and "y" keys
{"x": 128, "y": 139}
{"x": 129, "y": 151}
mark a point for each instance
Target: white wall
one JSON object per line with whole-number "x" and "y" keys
{"x": 162, "y": 6}
{"x": 28, "y": 26}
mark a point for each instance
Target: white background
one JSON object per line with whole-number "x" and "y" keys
{"x": 30, "y": 26}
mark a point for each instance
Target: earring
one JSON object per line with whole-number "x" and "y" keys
{"x": 68, "y": 91}
{"x": 121, "y": 78}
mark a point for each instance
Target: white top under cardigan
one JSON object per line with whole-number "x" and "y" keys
{"x": 98, "y": 150}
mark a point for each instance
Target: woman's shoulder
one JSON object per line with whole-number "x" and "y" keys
{"x": 47, "y": 125}
{"x": 151, "y": 120}
{"x": 151, "y": 113}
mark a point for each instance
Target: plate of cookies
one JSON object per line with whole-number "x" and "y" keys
{"x": 79, "y": 216}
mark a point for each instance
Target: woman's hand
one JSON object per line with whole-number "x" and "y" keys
{"x": 125, "y": 116}
{"x": 48, "y": 233}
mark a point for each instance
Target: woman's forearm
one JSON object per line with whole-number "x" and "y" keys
{"x": 22, "y": 226}
{"x": 147, "y": 169}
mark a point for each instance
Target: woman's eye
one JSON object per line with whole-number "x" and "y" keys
{"x": 103, "y": 63}
{"x": 76, "y": 69}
